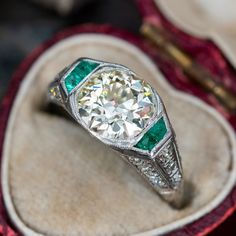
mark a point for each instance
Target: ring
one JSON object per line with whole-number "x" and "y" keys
{"x": 124, "y": 112}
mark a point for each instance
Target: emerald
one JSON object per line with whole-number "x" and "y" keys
{"x": 79, "y": 73}
{"x": 153, "y": 136}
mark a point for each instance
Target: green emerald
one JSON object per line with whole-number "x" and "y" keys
{"x": 79, "y": 73}
{"x": 153, "y": 136}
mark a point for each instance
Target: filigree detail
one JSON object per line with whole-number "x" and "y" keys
{"x": 167, "y": 159}
{"x": 149, "y": 171}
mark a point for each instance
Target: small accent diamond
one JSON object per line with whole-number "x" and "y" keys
{"x": 149, "y": 171}
{"x": 168, "y": 162}
{"x": 55, "y": 93}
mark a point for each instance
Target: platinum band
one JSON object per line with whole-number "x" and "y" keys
{"x": 162, "y": 169}
{"x": 163, "y": 172}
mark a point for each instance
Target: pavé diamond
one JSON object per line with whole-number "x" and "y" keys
{"x": 115, "y": 104}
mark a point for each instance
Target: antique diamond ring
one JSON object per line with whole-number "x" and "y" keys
{"x": 124, "y": 112}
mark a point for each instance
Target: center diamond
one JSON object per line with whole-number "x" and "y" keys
{"x": 115, "y": 104}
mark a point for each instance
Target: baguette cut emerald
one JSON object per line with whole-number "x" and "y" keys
{"x": 79, "y": 73}
{"x": 153, "y": 136}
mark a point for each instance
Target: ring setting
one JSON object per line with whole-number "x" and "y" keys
{"x": 126, "y": 113}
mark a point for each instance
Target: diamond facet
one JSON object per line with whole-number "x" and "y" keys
{"x": 115, "y": 104}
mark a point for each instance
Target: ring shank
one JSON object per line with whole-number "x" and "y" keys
{"x": 163, "y": 172}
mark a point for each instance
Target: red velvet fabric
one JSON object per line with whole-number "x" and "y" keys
{"x": 204, "y": 52}
{"x": 216, "y": 62}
